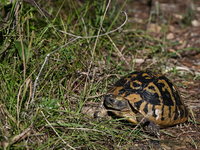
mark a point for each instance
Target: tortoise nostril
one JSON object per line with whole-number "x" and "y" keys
{"x": 112, "y": 100}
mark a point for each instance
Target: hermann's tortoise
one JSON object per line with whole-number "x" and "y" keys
{"x": 147, "y": 93}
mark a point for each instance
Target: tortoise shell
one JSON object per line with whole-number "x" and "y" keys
{"x": 153, "y": 95}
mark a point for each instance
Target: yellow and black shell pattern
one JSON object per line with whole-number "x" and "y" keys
{"x": 153, "y": 95}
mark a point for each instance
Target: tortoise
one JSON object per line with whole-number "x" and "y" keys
{"x": 147, "y": 93}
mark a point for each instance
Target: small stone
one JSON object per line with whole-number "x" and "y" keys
{"x": 154, "y": 28}
{"x": 178, "y": 16}
{"x": 170, "y": 36}
{"x": 195, "y": 23}
{"x": 171, "y": 28}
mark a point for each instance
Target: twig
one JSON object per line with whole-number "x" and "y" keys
{"x": 87, "y": 37}
{"x": 76, "y": 38}
{"x": 182, "y": 68}
{"x": 18, "y": 96}
{"x": 23, "y": 135}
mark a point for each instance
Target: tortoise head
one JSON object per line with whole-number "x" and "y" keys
{"x": 115, "y": 102}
